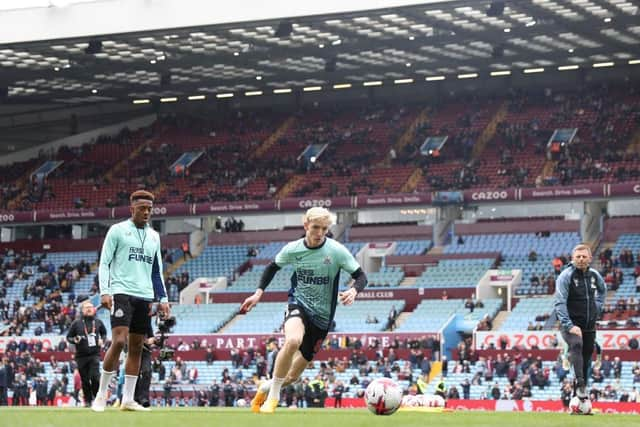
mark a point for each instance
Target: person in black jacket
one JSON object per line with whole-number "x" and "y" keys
{"x": 338, "y": 391}
{"x": 214, "y": 394}
{"x": 229, "y": 393}
{"x": 88, "y": 335}
{"x": 141, "y": 393}
{"x": 579, "y": 298}
{"x": 3, "y": 381}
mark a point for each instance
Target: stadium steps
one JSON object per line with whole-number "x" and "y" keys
{"x": 289, "y": 186}
{"x": 22, "y": 182}
{"x": 436, "y": 371}
{"x": 499, "y": 319}
{"x": 596, "y": 253}
{"x": 490, "y": 131}
{"x": 171, "y": 268}
{"x": 436, "y": 250}
{"x": 408, "y": 281}
{"x": 339, "y": 231}
{"x": 274, "y": 137}
{"x": 413, "y": 181}
{"x": 548, "y": 168}
{"x": 634, "y": 146}
{"x": 408, "y": 136}
{"x": 594, "y": 245}
{"x": 15, "y": 202}
{"x": 226, "y": 326}
{"x": 160, "y": 189}
{"x": 115, "y": 170}
{"x": 402, "y": 317}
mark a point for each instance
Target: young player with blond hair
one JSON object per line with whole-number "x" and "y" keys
{"x": 313, "y": 297}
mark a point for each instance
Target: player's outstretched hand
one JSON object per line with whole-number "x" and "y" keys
{"x": 348, "y": 297}
{"x": 250, "y": 302}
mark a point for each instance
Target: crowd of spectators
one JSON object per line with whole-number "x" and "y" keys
{"x": 524, "y": 372}
{"x": 595, "y": 153}
{"x": 45, "y": 286}
{"x": 181, "y": 385}
{"x": 611, "y": 269}
{"x": 85, "y": 164}
{"x": 359, "y": 141}
{"x": 227, "y": 165}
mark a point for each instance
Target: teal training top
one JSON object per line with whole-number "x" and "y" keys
{"x": 315, "y": 281}
{"x": 131, "y": 262}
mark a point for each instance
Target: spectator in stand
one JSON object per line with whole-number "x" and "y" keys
{"x": 185, "y": 250}
{"x": 391, "y": 319}
{"x": 557, "y": 265}
{"x": 141, "y": 393}
{"x": 469, "y": 304}
{"x": 441, "y": 388}
{"x": 4, "y": 381}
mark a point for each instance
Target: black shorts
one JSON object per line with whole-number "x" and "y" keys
{"x": 131, "y": 312}
{"x": 313, "y": 336}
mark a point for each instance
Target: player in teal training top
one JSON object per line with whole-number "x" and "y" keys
{"x": 130, "y": 278}
{"x": 313, "y": 297}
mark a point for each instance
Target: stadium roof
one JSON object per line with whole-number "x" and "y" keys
{"x": 451, "y": 40}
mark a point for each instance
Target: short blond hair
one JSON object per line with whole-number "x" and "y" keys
{"x": 319, "y": 214}
{"x": 581, "y": 247}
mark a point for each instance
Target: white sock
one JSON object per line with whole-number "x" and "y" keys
{"x": 129, "y": 388}
{"x": 265, "y": 387}
{"x": 274, "y": 391}
{"x": 105, "y": 379}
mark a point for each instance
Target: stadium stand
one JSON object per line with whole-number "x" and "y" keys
{"x": 452, "y": 273}
{"x": 368, "y": 145}
{"x": 525, "y": 314}
{"x": 216, "y": 261}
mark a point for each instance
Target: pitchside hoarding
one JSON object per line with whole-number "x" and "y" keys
{"x": 544, "y": 340}
{"x": 244, "y": 341}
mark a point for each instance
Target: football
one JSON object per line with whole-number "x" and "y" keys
{"x": 383, "y": 396}
{"x": 580, "y": 407}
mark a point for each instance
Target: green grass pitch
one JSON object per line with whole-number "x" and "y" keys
{"x": 232, "y": 417}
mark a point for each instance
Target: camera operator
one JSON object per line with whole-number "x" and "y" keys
{"x": 214, "y": 393}
{"x": 164, "y": 327}
{"x": 141, "y": 394}
{"x": 229, "y": 393}
{"x": 166, "y": 391}
{"x": 88, "y": 335}
{"x": 143, "y": 384}
{"x": 158, "y": 367}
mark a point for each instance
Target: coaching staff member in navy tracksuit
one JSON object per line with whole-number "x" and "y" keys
{"x": 579, "y": 298}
